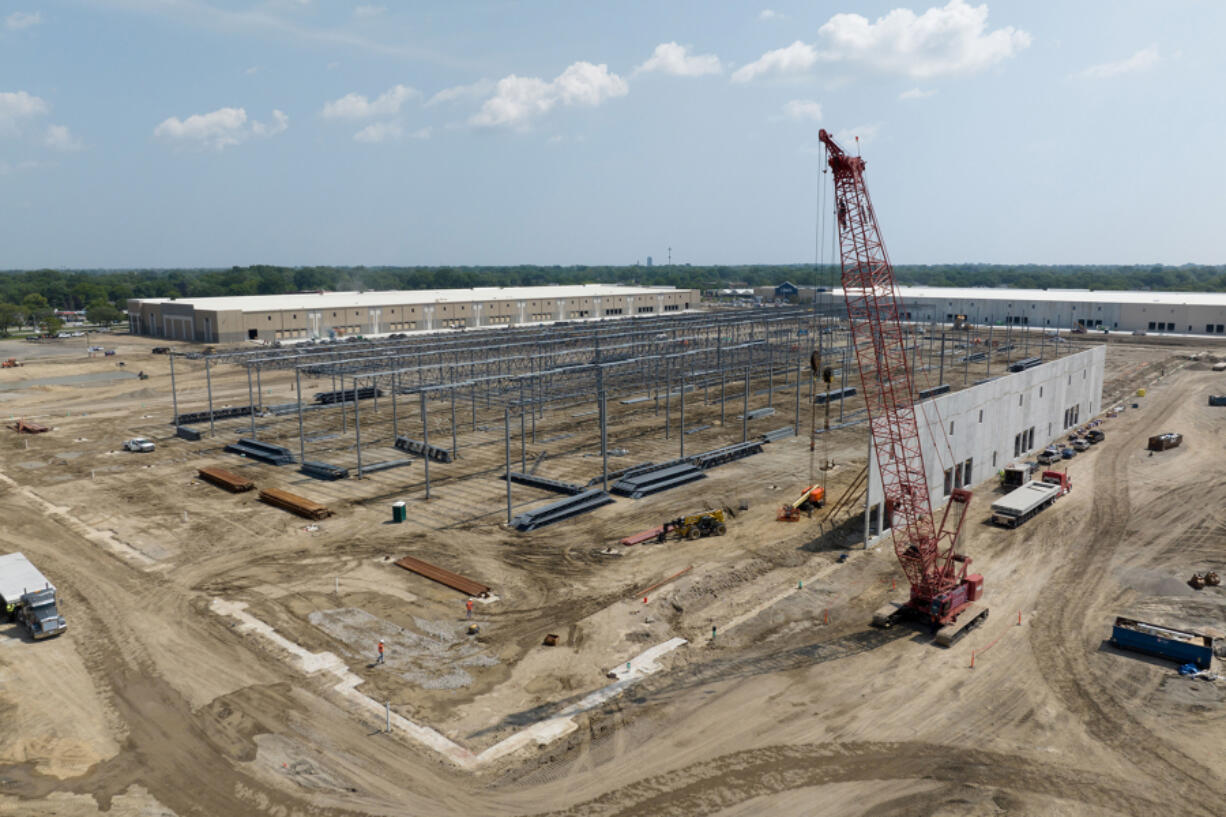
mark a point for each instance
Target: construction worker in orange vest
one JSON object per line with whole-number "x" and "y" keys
{"x": 379, "y": 660}
{"x": 468, "y": 605}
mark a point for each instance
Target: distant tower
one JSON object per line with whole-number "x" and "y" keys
{"x": 649, "y": 260}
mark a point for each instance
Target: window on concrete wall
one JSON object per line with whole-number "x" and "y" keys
{"x": 1030, "y": 439}
{"x": 1208, "y": 328}
{"x": 1017, "y": 444}
{"x": 1019, "y": 399}
{"x": 1219, "y": 327}
{"x": 981, "y": 415}
{"x": 966, "y": 471}
{"x": 1040, "y": 391}
{"x": 958, "y": 475}
{"x": 949, "y": 481}
{"x": 993, "y": 459}
{"x": 951, "y": 427}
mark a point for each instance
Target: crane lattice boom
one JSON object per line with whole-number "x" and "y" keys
{"x": 874, "y": 311}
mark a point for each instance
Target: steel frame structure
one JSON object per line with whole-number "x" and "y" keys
{"x": 473, "y": 379}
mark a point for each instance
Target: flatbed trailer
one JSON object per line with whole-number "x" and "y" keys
{"x": 1016, "y": 507}
{"x": 1182, "y": 646}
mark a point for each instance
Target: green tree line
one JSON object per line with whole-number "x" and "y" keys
{"x": 103, "y": 292}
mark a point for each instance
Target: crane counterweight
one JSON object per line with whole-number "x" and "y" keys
{"x": 943, "y": 593}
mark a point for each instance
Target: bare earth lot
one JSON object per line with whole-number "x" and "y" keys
{"x": 159, "y": 702}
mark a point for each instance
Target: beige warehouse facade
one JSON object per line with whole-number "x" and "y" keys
{"x": 303, "y": 316}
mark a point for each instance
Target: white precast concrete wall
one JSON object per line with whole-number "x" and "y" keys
{"x": 1009, "y": 418}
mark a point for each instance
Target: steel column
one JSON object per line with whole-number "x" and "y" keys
{"x": 250, "y": 402}
{"x": 357, "y": 424}
{"x": 425, "y": 441}
{"x": 208, "y": 379}
{"x": 174, "y": 394}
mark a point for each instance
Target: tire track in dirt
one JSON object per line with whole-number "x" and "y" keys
{"x": 1056, "y": 636}
{"x": 166, "y": 748}
{"x": 709, "y": 787}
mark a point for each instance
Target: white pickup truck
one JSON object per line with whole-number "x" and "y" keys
{"x": 139, "y": 445}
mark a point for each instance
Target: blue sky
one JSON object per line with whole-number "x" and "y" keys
{"x": 141, "y": 133}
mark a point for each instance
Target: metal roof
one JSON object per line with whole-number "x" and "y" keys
{"x": 17, "y": 575}
{"x": 1088, "y": 296}
{"x": 369, "y": 298}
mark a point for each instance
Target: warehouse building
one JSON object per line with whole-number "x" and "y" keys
{"x": 1183, "y": 313}
{"x": 308, "y": 315}
{"x": 989, "y": 425}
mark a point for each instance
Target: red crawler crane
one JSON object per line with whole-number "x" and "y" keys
{"x": 942, "y": 592}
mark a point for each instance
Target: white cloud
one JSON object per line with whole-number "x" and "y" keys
{"x": 22, "y": 19}
{"x": 940, "y": 42}
{"x": 769, "y": 14}
{"x": 28, "y": 164}
{"x": 269, "y": 18}
{"x": 59, "y": 137}
{"x": 378, "y": 132}
{"x": 279, "y": 124}
{"x": 356, "y": 106}
{"x": 671, "y": 58}
{"x": 479, "y": 88}
{"x": 916, "y": 93}
{"x": 253, "y": 70}
{"x": 18, "y": 105}
{"x": 367, "y": 11}
{"x": 793, "y": 59}
{"x": 217, "y": 129}
{"x": 803, "y": 109}
{"x": 518, "y": 100}
{"x": 846, "y": 138}
{"x": 1143, "y": 60}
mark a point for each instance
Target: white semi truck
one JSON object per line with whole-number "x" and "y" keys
{"x": 1016, "y": 507}
{"x": 27, "y": 597}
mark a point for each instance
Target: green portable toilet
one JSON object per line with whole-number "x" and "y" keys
{"x": 399, "y": 512}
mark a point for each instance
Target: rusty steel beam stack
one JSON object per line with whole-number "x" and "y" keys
{"x": 445, "y": 577}
{"x": 294, "y": 503}
{"x": 229, "y": 480}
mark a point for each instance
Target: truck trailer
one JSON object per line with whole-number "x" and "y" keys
{"x": 27, "y": 597}
{"x": 1182, "y": 646}
{"x": 1016, "y": 507}
{"x": 1015, "y": 476}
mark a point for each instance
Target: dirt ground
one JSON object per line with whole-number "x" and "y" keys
{"x": 153, "y": 703}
